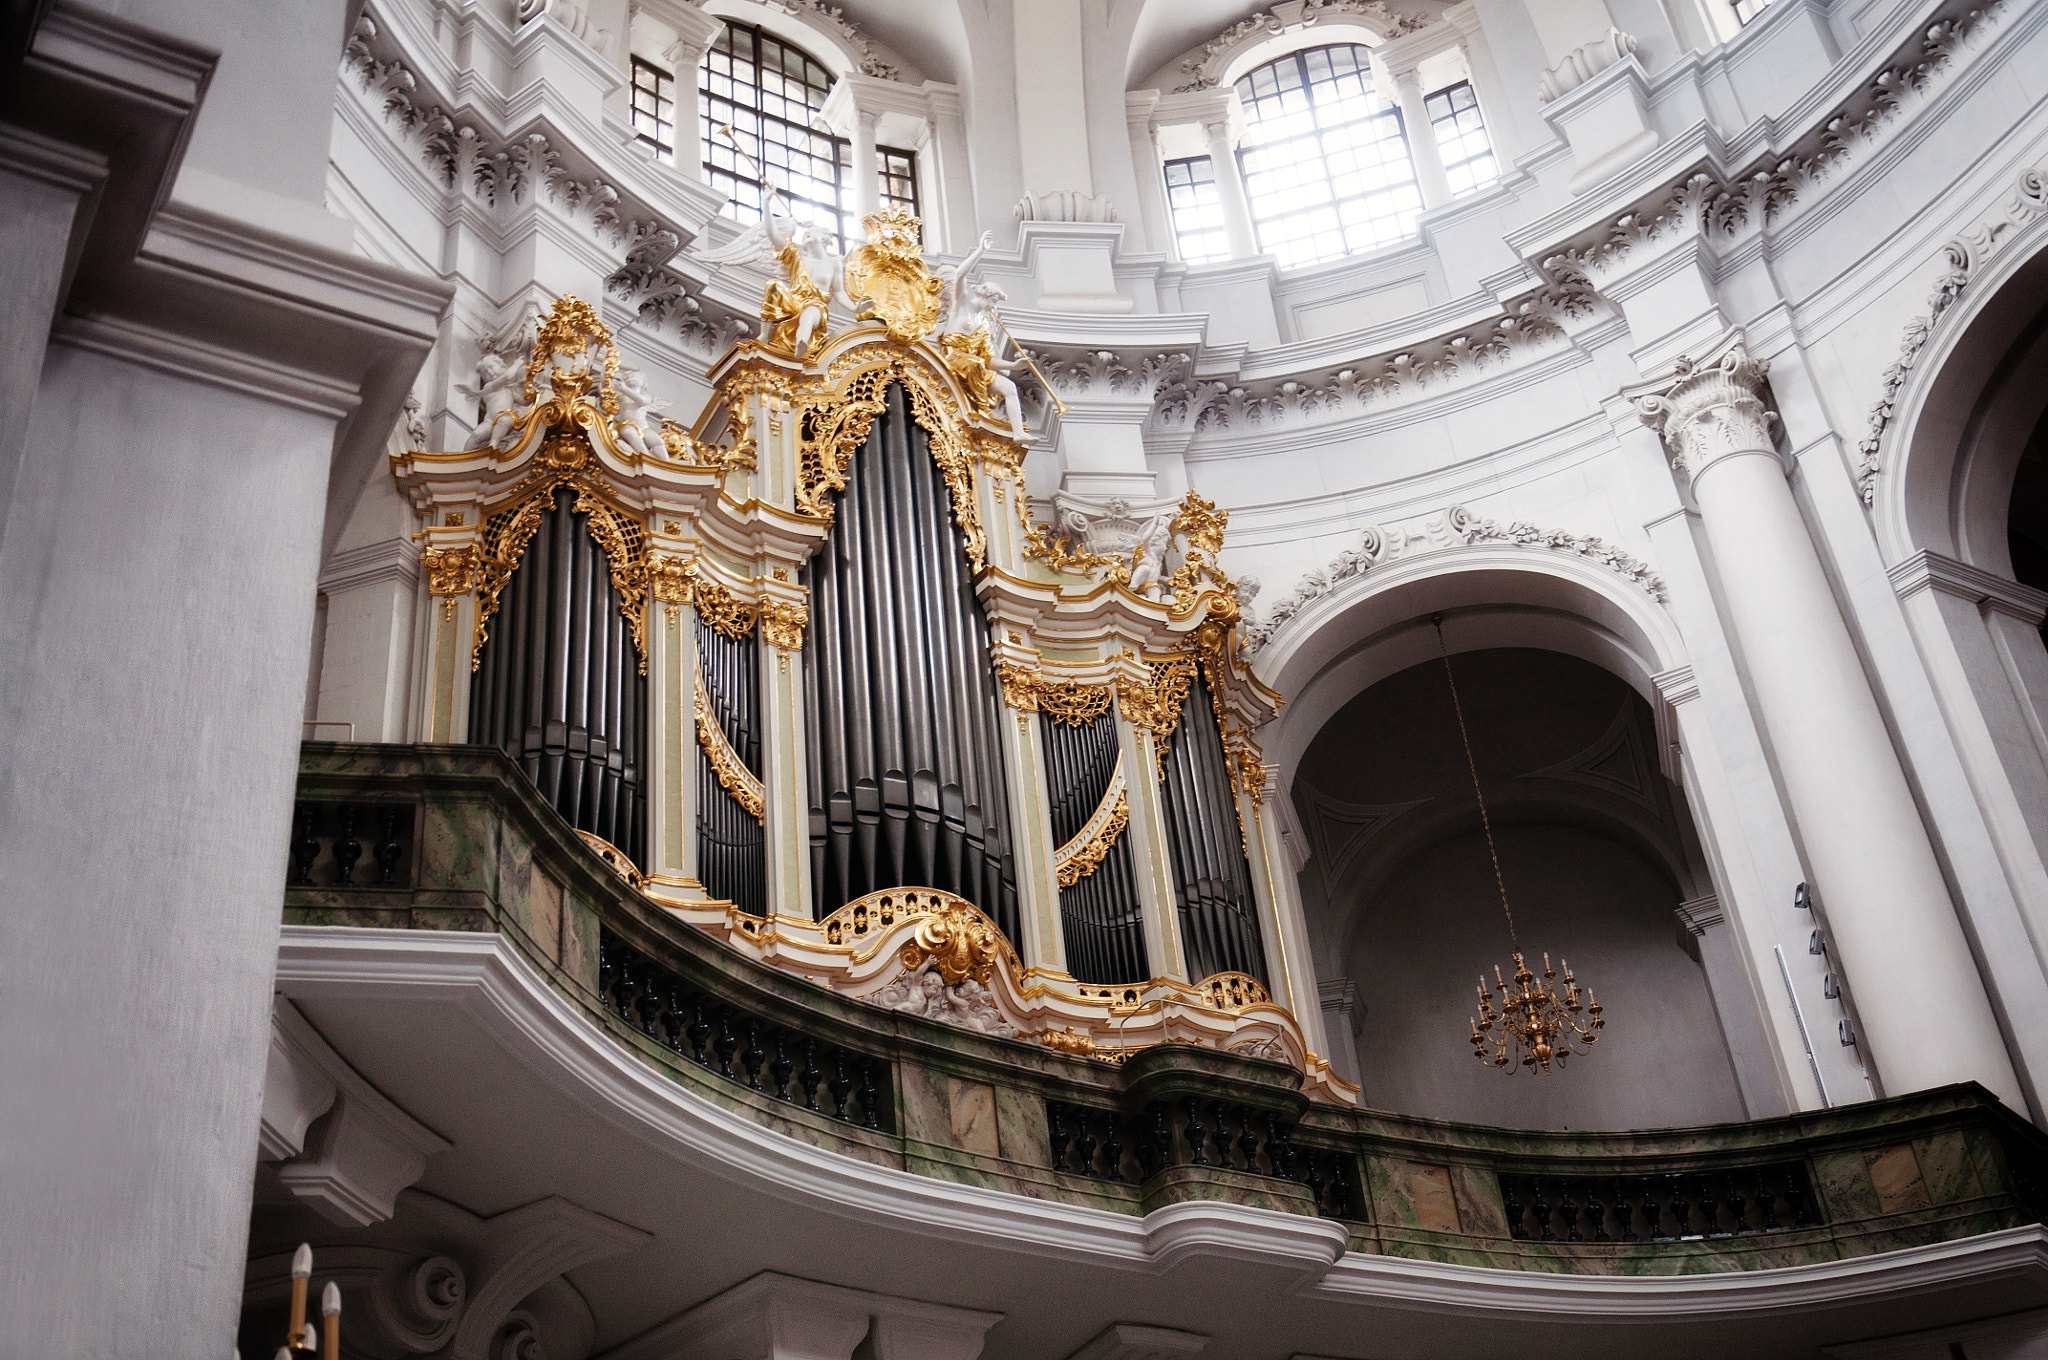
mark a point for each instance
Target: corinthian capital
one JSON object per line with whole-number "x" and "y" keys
{"x": 1706, "y": 411}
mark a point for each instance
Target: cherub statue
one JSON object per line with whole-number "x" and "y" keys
{"x": 638, "y": 425}
{"x": 796, "y": 312}
{"x": 500, "y": 388}
{"x": 1148, "y": 560}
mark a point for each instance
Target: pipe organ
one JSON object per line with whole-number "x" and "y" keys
{"x": 810, "y": 672}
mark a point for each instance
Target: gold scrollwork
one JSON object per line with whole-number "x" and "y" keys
{"x": 1155, "y": 704}
{"x": 722, "y": 611}
{"x": 451, "y": 571}
{"x": 726, "y": 766}
{"x": 615, "y": 858}
{"x": 1084, "y": 854}
{"x": 669, "y": 578}
{"x": 959, "y": 940}
{"x": 507, "y": 533}
{"x": 888, "y": 273}
{"x": 1233, "y": 992}
{"x": 782, "y": 624}
{"x": 1066, "y": 701}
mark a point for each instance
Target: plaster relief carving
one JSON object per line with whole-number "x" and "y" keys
{"x": 1705, "y": 412}
{"x": 1582, "y": 64}
{"x": 1715, "y": 203}
{"x": 1064, "y": 205}
{"x": 1456, "y": 527}
{"x": 966, "y": 1003}
{"x": 1205, "y": 70}
{"x": 1962, "y": 256}
{"x": 572, "y": 16}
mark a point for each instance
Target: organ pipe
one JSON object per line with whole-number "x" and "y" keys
{"x": 901, "y": 709}
{"x": 731, "y": 847}
{"x": 1212, "y": 883}
{"x": 1100, "y": 916}
{"x": 558, "y": 685}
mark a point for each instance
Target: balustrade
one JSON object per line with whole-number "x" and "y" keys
{"x": 453, "y": 838}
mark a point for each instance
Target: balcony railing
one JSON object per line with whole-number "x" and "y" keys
{"x": 454, "y": 838}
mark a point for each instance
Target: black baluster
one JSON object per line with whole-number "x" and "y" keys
{"x": 1280, "y": 1151}
{"x": 1795, "y": 1196}
{"x": 1653, "y": 1211}
{"x": 305, "y": 847}
{"x": 809, "y": 1078}
{"x": 700, "y": 1031}
{"x": 1220, "y": 1133}
{"x": 672, "y": 1023}
{"x": 388, "y": 848}
{"x": 1312, "y": 1177}
{"x": 1084, "y": 1141}
{"x": 1247, "y": 1143}
{"x": 1513, "y": 1207}
{"x": 779, "y": 1070}
{"x": 347, "y": 850}
{"x": 1147, "y": 1145}
{"x": 1196, "y": 1135}
{"x": 727, "y": 1043}
{"x": 1767, "y": 1202}
{"x": 607, "y": 972}
{"x": 653, "y": 1001}
{"x": 1681, "y": 1208}
{"x": 1162, "y": 1135}
{"x": 1710, "y": 1207}
{"x": 1340, "y": 1185}
{"x": 870, "y": 1096}
{"x": 1624, "y": 1213}
{"x": 842, "y": 1085}
{"x": 1541, "y": 1210}
{"x": 1053, "y": 1110}
{"x": 754, "y": 1056}
{"x": 1568, "y": 1210}
{"x": 1113, "y": 1151}
{"x": 1736, "y": 1205}
{"x": 1596, "y": 1212}
{"x": 627, "y": 997}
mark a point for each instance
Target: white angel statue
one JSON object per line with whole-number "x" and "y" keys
{"x": 1149, "y": 566}
{"x": 638, "y": 425}
{"x": 796, "y": 312}
{"x": 500, "y": 388}
{"x": 956, "y": 309}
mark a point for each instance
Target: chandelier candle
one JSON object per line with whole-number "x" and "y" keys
{"x": 1534, "y": 1026}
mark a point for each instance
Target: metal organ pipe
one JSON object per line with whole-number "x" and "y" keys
{"x": 558, "y": 685}
{"x": 1100, "y": 916}
{"x": 731, "y": 847}
{"x": 906, "y": 770}
{"x": 1212, "y": 882}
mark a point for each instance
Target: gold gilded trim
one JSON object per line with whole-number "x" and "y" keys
{"x": 615, "y": 858}
{"x": 1155, "y": 704}
{"x": 1072, "y": 702}
{"x": 782, "y": 624}
{"x": 727, "y": 768}
{"x": 888, "y": 273}
{"x": 1084, "y": 854}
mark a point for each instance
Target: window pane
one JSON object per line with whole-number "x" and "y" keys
{"x": 1326, "y": 164}
{"x": 769, "y": 92}
{"x": 1461, "y": 138}
{"x": 654, "y": 108}
{"x": 1197, "y": 210}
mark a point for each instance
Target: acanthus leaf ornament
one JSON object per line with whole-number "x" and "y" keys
{"x": 1706, "y": 412}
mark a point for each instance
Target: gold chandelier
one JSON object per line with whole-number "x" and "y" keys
{"x": 1534, "y": 1026}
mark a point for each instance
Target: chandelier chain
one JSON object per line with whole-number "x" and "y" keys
{"x": 1485, "y": 822}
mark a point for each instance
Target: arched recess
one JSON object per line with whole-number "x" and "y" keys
{"x": 1375, "y": 626}
{"x": 1973, "y": 405}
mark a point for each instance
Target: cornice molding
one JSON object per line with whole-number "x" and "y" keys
{"x": 1926, "y": 570}
{"x": 395, "y": 560}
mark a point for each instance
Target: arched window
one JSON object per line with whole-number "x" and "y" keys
{"x": 1326, "y": 164}
{"x": 771, "y": 93}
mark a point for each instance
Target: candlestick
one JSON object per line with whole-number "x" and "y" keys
{"x": 302, "y": 1273}
{"x": 330, "y": 1317}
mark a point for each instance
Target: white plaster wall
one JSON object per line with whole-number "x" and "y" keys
{"x": 1437, "y": 926}
{"x": 156, "y": 595}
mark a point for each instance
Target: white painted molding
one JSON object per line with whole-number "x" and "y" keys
{"x": 1700, "y": 914}
{"x": 483, "y": 975}
{"x": 1128, "y": 1341}
{"x": 364, "y": 1152}
{"x": 772, "y": 1316}
{"x": 525, "y": 1248}
{"x": 296, "y": 1088}
{"x": 1926, "y": 570}
{"x": 394, "y": 560}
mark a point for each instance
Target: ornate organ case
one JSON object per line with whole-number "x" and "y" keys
{"x": 808, "y": 672}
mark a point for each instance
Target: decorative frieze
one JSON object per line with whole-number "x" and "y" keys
{"x": 1456, "y": 527}
{"x": 1205, "y": 69}
{"x": 1714, "y": 205}
{"x": 1963, "y": 256}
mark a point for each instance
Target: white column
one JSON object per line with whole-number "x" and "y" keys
{"x": 1237, "y": 209}
{"x": 867, "y": 184}
{"x": 1895, "y": 928}
{"x": 1145, "y": 162}
{"x": 1422, "y": 147}
{"x": 786, "y": 823}
{"x": 695, "y": 32}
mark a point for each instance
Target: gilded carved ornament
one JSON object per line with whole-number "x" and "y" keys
{"x": 1084, "y": 854}
{"x": 727, "y": 768}
{"x": 451, "y": 571}
{"x": 887, "y": 277}
{"x": 1066, "y": 701}
{"x": 782, "y": 624}
{"x": 961, "y": 941}
{"x": 1155, "y": 704}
